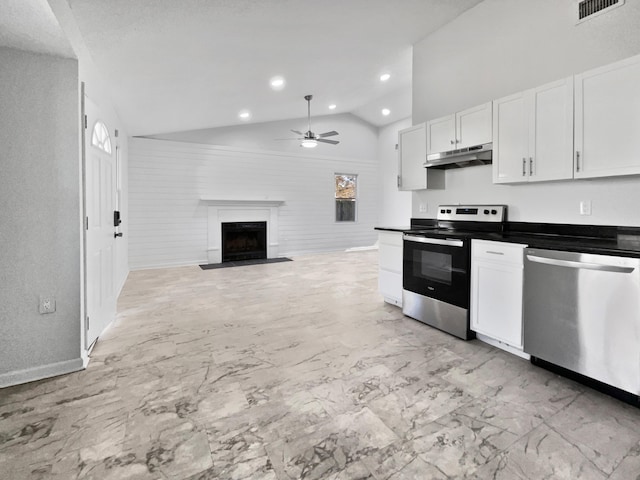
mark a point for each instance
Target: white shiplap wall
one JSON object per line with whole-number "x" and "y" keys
{"x": 168, "y": 221}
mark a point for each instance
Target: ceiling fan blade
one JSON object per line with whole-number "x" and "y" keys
{"x": 298, "y": 132}
{"x": 279, "y": 139}
{"x": 328, "y": 134}
{"x": 332, "y": 142}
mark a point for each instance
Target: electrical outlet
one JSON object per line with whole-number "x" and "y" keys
{"x": 585, "y": 207}
{"x": 423, "y": 208}
{"x": 47, "y": 304}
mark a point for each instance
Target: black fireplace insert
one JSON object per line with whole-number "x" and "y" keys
{"x": 244, "y": 241}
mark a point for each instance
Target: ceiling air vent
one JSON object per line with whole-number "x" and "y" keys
{"x": 590, "y": 8}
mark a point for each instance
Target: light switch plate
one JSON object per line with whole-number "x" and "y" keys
{"x": 423, "y": 208}
{"x": 585, "y": 207}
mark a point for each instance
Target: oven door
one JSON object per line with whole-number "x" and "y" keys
{"x": 437, "y": 268}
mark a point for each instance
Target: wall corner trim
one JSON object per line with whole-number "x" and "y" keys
{"x": 38, "y": 373}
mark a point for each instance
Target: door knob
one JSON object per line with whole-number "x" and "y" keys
{"x": 116, "y": 235}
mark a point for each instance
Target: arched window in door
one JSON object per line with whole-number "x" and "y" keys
{"x": 100, "y": 137}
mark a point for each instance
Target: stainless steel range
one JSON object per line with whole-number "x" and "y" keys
{"x": 436, "y": 265}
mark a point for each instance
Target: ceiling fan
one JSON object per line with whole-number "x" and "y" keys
{"x": 310, "y": 139}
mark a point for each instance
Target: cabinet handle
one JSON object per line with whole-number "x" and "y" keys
{"x": 452, "y": 142}
{"x": 530, "y": 165}
{"x": 577, "y": 161}
{"x": 399, "y": 181}
{"x": 524, "y": 167}
{"x": 494, "y": 253}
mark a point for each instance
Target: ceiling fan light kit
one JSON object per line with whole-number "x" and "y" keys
{"x": 310, "y": 139}
{"x": 277, "y": 82}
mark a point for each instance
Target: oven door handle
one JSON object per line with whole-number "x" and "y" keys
{"x": 434, "y": 241}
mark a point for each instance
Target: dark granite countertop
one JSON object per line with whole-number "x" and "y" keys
{"x": 597, "y": 239}
{"x": 394, "y": 229}
{"x": 621, "y": 245}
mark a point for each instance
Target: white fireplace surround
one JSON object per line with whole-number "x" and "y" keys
{"x": 240, "y": 210}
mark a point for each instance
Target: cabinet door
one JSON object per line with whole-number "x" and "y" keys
{"x": 412, "y": 153}
{"x": 390, "y": 266}
{"x": 608, "y": 120}
{"x": 510, "y": 139}
{"x": 496, "y": 301}
{"x": 441, "y": 134}
{"x": 551, "y": 131}
{"x": 390, "y": 251}
{"x": 473, "y": 126}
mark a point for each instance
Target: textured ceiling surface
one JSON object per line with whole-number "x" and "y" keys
{"x": 196, "y": 63}
{"x": 30, "y": 25}
{"x": 193, "y": 64}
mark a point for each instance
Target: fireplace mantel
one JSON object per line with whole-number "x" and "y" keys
{"x": 240, "y": 210}
{"x": 242, "y": 202}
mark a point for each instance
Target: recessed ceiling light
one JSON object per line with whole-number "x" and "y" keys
{"x": 245, "y": 115}
{"x": 384, "y": 77}
{"x": 386, "y": 111}
{"x": 332, "y": 106}
{"x": 277, "y": 83}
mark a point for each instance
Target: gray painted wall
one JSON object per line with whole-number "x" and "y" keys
{"x": 40, "y": 215}
{"x": 501, "y": 47}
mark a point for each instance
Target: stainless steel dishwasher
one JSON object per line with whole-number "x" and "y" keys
{"x": 582, "y": 313}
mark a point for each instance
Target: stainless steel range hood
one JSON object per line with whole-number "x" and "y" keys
{"x": 464, "y": 157}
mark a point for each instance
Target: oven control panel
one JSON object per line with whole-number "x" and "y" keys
{"x": 473, "y": 213}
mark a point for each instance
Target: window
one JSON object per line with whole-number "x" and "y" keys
{"x": 346, "y": 197}
{"x": 100, "y": 137}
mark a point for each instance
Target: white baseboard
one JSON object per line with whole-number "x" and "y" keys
{"x": 154, "y": 266}
{"x": 38, "y": 373}
{"x": 362, "y": 249}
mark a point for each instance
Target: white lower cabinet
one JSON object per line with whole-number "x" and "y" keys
{"x": 390, "y": 267}
{"x": 496, "y": 293}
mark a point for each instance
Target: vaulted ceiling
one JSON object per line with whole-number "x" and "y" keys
{"x": 190, "y": 64}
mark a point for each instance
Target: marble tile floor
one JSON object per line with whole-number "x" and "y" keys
{"x": 298, "y": 370}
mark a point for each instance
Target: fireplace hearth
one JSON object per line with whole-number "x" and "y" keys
{"x": 244, "y": 241}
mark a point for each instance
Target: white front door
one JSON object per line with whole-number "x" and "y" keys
{"x": 100, "y": 241}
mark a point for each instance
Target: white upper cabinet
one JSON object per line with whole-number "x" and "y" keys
{"x": 608, "y": 120}
{"x": 441, "y": 134}
{"x": 551, "y": 131}
{"x": 473, "y": 126}
{"x": 510, "y": 139}
{"x": 533, "y": 134}
{"x": 463, "y": 129}
{"x": 412, "y": 153}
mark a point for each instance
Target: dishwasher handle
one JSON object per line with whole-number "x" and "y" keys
{"x": 582, "y": 265}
